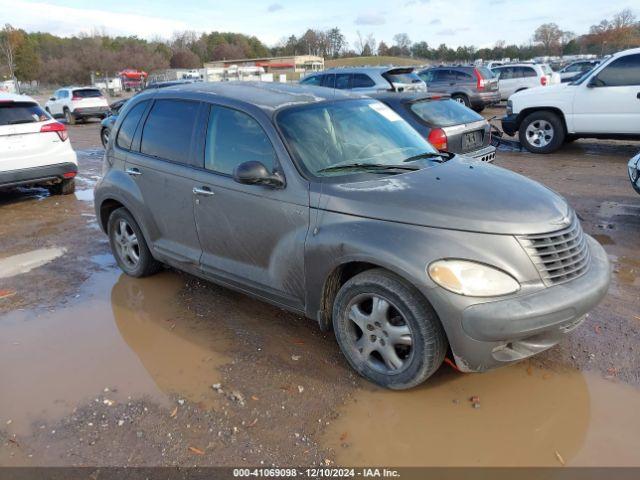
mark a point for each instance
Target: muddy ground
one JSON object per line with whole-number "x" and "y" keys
{"x": 100, "y": 369}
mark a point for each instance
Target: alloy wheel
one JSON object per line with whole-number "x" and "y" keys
{"x": 379, "y": 333}
{"x": 126, "y": 243}
{"x": 540, "y": 133}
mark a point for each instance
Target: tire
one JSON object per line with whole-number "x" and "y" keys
{"x": 401, "y": 309}
{"x": 65, "y": 187}
{"x": 130, "y": 251}
{"x": 104, "y": 136}
{"x": 542, "y": 132}
{"x": 69, "y": 117}
{"x": 461, "y": 98}
{"x": 570, "y": 139}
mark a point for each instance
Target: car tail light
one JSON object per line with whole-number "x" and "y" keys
{"x": 543, "y": 80}
{"x": 480, "y": 81}
{"x": 438, "y": 138}
{"x": 55, "y": 127}
{"x": 69, "y": 175}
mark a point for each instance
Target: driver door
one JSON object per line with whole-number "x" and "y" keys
{"x": 252, "y": 236}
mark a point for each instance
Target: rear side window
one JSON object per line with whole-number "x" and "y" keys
{"x": 527, "y": 72}
{"x": 87, "y": 93}
{"x": 342, "y": 81}
{"x": 486, "y": 73}
{"x": 329, "y": 80}
{"x": 313, "y": 80}
{"x": 621, "y": 72}
{"x": 168, "y": 130}
{"x": 444, "y": 113}
{"x": 444, "y": 76}
{"x": 360, "y": 80}
{"x": 464, "y": 77}
{"x": 233, "y": 138}
{"x": 13, "y": 113}
{"x": 129, "y": 124}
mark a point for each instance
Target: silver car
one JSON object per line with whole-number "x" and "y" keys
{"x": 634, "y": 172}
{"x": 332, "y": 206}
{"x": 367, "y": 80}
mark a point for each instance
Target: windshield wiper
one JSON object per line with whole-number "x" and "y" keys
{"x": 370, "y": 166}
{"x": 442, "y": 156}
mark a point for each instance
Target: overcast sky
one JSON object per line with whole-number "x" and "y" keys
{"x": 455, "y": 22}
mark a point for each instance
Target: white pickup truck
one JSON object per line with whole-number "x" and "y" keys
{"x": 604, "y": 103}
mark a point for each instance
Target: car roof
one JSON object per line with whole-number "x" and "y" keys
{"x": 630, "y": 51}
{"x": 266, "y": 96}
{"x": 371, "y": 69}
{"x": 15, "y": 97}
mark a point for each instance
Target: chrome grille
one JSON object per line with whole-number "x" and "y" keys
{"x": 559, "y": 256}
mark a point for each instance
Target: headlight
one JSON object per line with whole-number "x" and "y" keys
{"x": 472, "y": 279}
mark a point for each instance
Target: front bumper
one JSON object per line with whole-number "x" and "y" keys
{"x": 633, "y": 169}
{"x": 498, "y": 332}
{"x": 510, "y": 124}
{"x": 38, "y": 175}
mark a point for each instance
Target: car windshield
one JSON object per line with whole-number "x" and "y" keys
{"x": 13, "y": 113}
{"x": 326, "y": 135}
{"x": 444, "y": 113}
{"x": 399, "y": 77}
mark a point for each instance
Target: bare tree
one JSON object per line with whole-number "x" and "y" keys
{"x": 402, "y": 41}
{"x": 9, "y": 42}
{"x": 549, "y": 35}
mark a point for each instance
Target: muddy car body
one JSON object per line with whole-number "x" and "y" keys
{"x": 402, "y": 257}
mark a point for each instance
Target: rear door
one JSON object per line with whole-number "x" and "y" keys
{"x": 252, "y": 236}
{"x": 612, "y": 105}
{"x": 162, "y": 165}
{"x": 507, "y": 81}
{"x": 442, "y": 80}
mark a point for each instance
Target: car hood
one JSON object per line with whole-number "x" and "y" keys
{"x": 547, "y": 90}
{"x": 461, "y": 194}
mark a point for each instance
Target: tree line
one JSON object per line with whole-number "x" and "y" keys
{"x": 65, "y": 60}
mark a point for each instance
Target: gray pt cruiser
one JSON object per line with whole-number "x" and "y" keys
{"x": 332, "y": 206}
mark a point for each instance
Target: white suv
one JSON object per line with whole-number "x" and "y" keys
{"x": 516, "y": 77}
{"x": 75, "y": 103}
{"x": 603, "y": 103}
{"x": 34, "y": 148}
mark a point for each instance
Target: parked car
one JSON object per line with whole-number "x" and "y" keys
{"x": 603, "y": 103}
{"x": 107, "y": 123}
{"x": 521, "y": 76}
{"x": 77, "y": 103}
{"x": 366, "y": 80}
{"x": 474, "y": 87}
{"x": 330, "y": 205}
{"x": 575, "y": 70}
{"x": 445, "y": 123}
{"x": 35, "y": 149}
{"x": 634, "y": 172}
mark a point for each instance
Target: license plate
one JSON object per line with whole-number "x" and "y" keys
{"x": 471, "y": 140}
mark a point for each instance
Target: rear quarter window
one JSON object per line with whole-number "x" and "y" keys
{"x": 168, "y": 130}
{"x": 13, "y": 113}
{"x": 360, "y": 80}
{"x": 486, "y": 73}
{"x": 444, "y": 113}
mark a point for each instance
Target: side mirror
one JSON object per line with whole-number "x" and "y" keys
{"x": 255, "y": 173}
{"x": 593, "y": 82}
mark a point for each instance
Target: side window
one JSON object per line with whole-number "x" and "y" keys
{"x": 329, "y": 80}
{"x": 360, "y": 80}
{"x": 233, "y": 138}
{"x": 621, "y": 72}
{"x": 129, "y": 124}
{"x": 168, "y": 130}
{"x": 342, "y": 81}
{"x": 463, "y": 77}
{"x": 528, "y": 72}
{"x": 313, "y": 80}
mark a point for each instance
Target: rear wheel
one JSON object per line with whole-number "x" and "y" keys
{"x": 387, "y": 330}
{"x": 69, "y": 117}
{"x": 65, "y": 187}
{"x": 461, "y": 98}
{"x": 542, "y": 132}
{"x": 129, "y": 246}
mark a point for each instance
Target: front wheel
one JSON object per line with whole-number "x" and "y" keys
{"x": 542, "y": 132}
{"x": 387, "y": 330}
{"x": 65, "y": 187}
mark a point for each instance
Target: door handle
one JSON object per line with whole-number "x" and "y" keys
{"x": 134, "y": 172}
{"x": 206, "y": 191}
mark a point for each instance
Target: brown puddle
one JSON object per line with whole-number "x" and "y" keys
{"x": 627, "y": 269}
{"x": 527, "y": 417}
{"x": 603, "y": 239}
{"x": 127, "y": 335}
